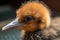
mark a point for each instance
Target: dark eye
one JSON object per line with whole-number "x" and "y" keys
{"x": 28, "y": 18}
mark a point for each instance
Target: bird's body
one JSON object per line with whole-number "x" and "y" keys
{"x": 34, "y": 19}
{"x": 51, "y": 33}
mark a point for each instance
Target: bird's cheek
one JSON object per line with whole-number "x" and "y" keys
{"x": 19, "y": 28}
{"x": 41, "y": 26}
{"x": 27, "y": 28}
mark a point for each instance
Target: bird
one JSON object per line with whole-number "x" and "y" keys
{"x": 34, "y": 19}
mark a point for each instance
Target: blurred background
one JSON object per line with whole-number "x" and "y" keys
{"x": 8, "y": 13}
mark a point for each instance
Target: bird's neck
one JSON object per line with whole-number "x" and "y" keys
{"x": 45, "y": 34}
{"x": 28, "y": 34}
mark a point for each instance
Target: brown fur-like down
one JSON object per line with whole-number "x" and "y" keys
{"x": 51, "y": 33}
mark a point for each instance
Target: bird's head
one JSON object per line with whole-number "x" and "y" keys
{"x": 31, "y": 16}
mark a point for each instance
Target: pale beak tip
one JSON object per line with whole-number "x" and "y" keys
{"x": 3, "y": 28}
{"x": 12, "y": 24}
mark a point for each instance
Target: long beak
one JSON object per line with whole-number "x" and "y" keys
{"x": 14, "y": 23}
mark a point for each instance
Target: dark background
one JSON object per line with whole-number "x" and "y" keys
{"x": 8, "y": 7}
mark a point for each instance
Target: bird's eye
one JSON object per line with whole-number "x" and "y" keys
{"x": 28, "y": 18}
